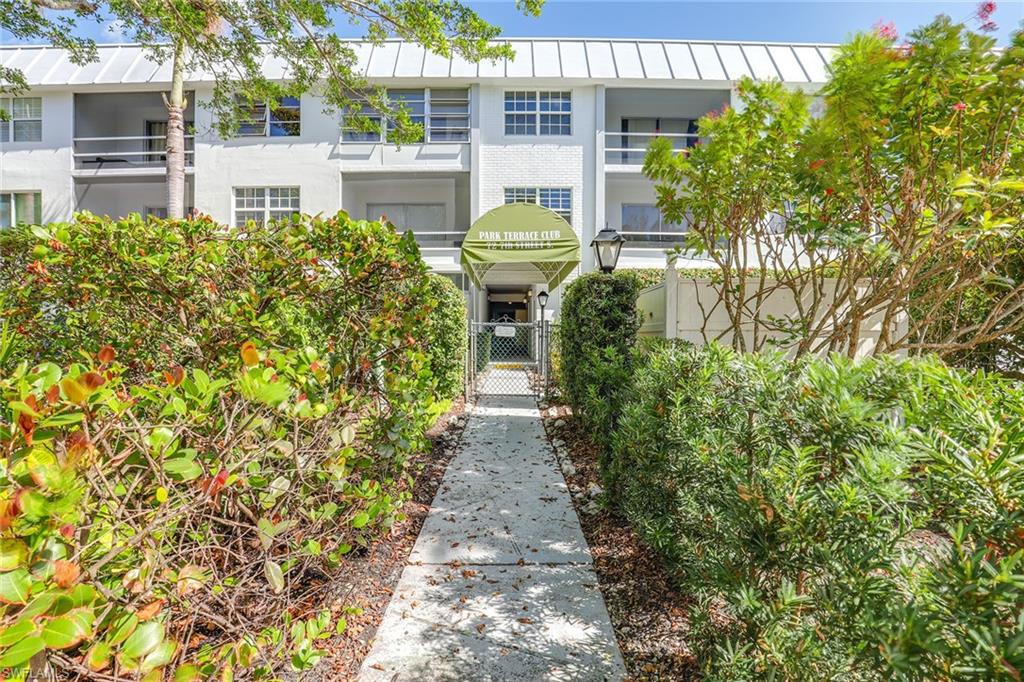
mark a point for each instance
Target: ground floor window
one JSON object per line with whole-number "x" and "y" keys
{"x": 161, "y": 212}
{"x": 263, "y": 204}
{"x": 20, "y": 207}
{"x": 558, "y": 199}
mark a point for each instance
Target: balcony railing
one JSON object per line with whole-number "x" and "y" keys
{"x": 126, "y": 152}
{"x": 629, "y": 149}
{"x": 664, "y": 239}
{"x": 429, "y": 239}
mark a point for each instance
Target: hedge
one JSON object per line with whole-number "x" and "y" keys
{"x": 447, "y": 336}
{"x": 200, "y": 426}
{"x": 597, "y": 330}
{"x": 833, "y": 520}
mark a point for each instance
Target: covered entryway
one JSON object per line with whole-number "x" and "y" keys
{"x": 507, "y": 251}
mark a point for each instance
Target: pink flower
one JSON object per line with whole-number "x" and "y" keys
{"x": 886, "y": 30}
{"x": 959, "y": 106}
{"x": 985, "y": 10}
{"x": 989, "y": 26}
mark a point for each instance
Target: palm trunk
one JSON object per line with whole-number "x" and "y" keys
{"x": 176, "y": 136}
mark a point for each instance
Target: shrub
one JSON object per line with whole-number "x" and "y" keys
{"x": 597, "y": 330}
{"x": 192, "y": 523}
{"x": 835, "y": 520}
{"x": 447, "y": 338}
{"x": 177, "y": 492}
{"x": 187, "y": 291}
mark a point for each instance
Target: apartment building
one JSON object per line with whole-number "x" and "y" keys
{"x": 564, "y": 124}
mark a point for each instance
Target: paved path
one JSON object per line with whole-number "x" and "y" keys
{"x": 500, "y": 583}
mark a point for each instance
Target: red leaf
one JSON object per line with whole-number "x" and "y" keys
{"x": 106, "y": 355}
{"x": 65, "y": 573}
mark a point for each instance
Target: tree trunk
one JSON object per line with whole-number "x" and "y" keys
{"x": 176, "y": 105}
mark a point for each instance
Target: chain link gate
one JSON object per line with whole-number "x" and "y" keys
{"x": 507, "y": 358}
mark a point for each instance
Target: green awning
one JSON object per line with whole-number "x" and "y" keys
{"x": 521, "y": 244}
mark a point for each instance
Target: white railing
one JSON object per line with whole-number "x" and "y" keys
{"x": 629, "y": 149}
{"x": 437, "y": 239}
{"x": 126, "y": 152}
{"x": 637, "y": 239}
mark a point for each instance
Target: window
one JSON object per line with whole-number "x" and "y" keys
{"x": 558, "y": 199}
{"x": 20, "y": 207}
{"x": 26, "y": 119}
{"x": 410, "y": 216}
{"x": 538, "y": 113}
{"x": 644, "y": 222}
{"x": 262, "y": 204}
{"x": 283, "y": 121}
{"x": 443, "y": 113}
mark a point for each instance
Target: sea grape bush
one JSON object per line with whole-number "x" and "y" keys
{"x": 834, "y": 519}
{"x": 198, "y": 428}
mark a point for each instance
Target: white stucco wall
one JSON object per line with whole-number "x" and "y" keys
{"x": 44, "y": 166}
{"x": 538, "y": 161}
{"x": 308, "y": 161}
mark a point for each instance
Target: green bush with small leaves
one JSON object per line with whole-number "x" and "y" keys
{"x": 597, "y": 330}
{"x": 447, "y": 336}
{"x": 832, "y": 519}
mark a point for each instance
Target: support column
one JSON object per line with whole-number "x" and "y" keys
{"x": 671, "y": 299}
{"x": 599, "y": 180}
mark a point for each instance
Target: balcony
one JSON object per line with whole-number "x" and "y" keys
{"x": 124, "y": 135}
{"x": 635, "y": 116}
{"x": 625, "y": 152}
{"x": 126, "y": 155}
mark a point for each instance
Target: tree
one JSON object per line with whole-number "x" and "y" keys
{"x": 230, "y": 41}
{"x": 901, "y": 207}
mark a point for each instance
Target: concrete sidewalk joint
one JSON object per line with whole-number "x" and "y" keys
{"x": 500, "y": 584}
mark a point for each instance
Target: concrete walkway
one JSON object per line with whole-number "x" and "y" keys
{"x": 500, "y": 583}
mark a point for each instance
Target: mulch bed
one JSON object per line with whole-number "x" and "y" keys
{"x": 370, "y": 578}
{"x": 649, "y": 614}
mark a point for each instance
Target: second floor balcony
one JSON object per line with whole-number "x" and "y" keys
{"x": 125, "y": 134}
{"x": 636, "y": 116}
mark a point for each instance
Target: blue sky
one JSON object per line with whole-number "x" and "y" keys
{"x": 817, "y": 21}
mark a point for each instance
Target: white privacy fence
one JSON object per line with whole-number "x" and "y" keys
{"x": 689, "y": 307}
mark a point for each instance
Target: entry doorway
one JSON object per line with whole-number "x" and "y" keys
{"x": 509, "y": 303}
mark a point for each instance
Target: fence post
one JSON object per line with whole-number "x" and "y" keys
{"x": 671, "y": 299}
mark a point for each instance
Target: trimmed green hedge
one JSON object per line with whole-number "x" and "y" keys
{"x": 597, "y": 330}
{"x": 833, "y": 520}
{"x": 446, "y": 336}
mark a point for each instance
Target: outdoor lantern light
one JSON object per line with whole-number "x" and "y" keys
{"x": 607, "y": 245}
{"x": 542, "y": 298}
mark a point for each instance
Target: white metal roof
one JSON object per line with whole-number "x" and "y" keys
{"x": 572, "y": 58}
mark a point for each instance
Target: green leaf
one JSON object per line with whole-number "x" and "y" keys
{"x": 159, "y": 657}
{"x": 15, "y": 586}
{"x": 187, "y": 673}
{"x": 274, "y": 575}
{"x": 360, "y": 520}
{"x": 123, "y": 628}
{"x": 182, "y": 468}
{"x": 13, "y": 553}
{"x": 98, "y": 657}
{"x": 146, "y": 638}
{"x": 348, "y": 434}
{"x": 19, "y": 654}
{"x": 21, "y": 629}
{"x": 68, "y": 630}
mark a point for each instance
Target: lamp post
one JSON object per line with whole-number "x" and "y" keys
{"x": 542, "y": 298}
{"x": 607, "y": 245}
